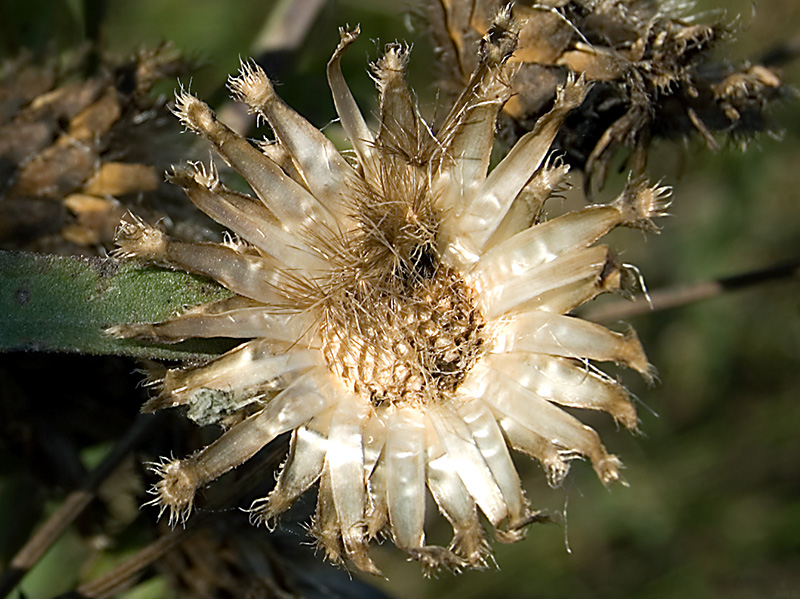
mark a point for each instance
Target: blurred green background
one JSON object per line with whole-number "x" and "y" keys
{"x": 713, "y": 506}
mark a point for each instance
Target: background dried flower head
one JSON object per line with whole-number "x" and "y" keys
{"x": 654, "y": 66}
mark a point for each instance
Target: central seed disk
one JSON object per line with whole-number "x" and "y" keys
{"x": 405, "y": 348}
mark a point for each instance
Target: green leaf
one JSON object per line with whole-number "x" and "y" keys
{"x": 64, "y": 303}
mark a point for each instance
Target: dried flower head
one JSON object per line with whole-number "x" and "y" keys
{"x": 73, "y": 151}
{"x": 650, "y": 61}
{"x": 406, "y": 310}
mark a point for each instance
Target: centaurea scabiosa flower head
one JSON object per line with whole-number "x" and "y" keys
{"x": 406, "y": 312}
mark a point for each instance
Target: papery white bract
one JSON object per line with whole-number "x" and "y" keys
{"x": 406, "y": 310}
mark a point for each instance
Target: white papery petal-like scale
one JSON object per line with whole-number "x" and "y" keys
{"x": 406, "y": 312}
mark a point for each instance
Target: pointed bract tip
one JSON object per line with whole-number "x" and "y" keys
{"x": 137, "y": 239}
{"x": 608, "y": 470}
{"x": 640, "y": 203}
{"x": 252, "y": 86}
{"x": 175, "y": 491}
{"x": 500, "y": 41}
{"x": 194, "y": 114}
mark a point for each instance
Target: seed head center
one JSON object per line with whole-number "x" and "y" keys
{"x": 405, "y": 346}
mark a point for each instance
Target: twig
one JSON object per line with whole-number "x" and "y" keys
{"x": 73, "y": 505}
{"x": 287, "y": 26}
{"x": 123, "y": 576}
{"x": 783, "y": 53}
{"x": 684, "y": 295}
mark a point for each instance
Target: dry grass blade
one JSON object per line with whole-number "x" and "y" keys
{"x": 124, "y": 575}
